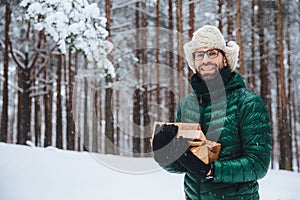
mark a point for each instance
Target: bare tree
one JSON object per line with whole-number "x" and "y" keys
{"x": 171, "y": 103}
{"x": 69, "y": 100}
{"x": 264, "y": 87}
{"x": 239, "y": 36}
{"x": 191, "y": 18}
{"x": 137, "y": 93}
{"x": 157, "y": 61}
{"x": 285, "y": 141}
{"x": 230, "y": 24}
{"x": 146, "y": 134}
{"x": 180, "y": 61}
{"x": 253, "y": 32}
{"x": 291, "y": 97}
{"x": 220, "y": 16}
{"x": 59, "y": 135}
{"x": 24, "y": 82}
{"x": 192, "y": 25}
{"x": 48, "y": 100}
{"x": 109, "y": 124}
{"x": 4, "y": 117}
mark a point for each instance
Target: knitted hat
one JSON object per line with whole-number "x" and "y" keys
{"x": 211, "y": 37}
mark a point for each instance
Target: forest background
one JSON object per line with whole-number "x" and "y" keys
{"x": 55, "y": 92}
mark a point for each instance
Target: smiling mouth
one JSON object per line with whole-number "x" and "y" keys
{"x": 207, "y": 68}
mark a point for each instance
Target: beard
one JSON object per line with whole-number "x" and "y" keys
{"x": 208, "y": 71}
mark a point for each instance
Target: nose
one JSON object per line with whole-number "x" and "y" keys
{"x": 205, "y": 58}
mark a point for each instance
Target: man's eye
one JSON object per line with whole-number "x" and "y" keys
{"x": 199, "y": 54}
{"x": 212, "y": 53}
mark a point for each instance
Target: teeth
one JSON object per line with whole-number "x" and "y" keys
{"x": 206, "y": 68}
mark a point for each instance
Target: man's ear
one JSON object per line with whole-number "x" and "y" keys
{"x": 225, "y": 63}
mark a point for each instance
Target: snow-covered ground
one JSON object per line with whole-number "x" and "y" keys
{"x": 29, "y": 173}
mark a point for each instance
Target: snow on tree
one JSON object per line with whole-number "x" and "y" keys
{"x": 73, "y": 23}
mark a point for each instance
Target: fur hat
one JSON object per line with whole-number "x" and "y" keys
{"x": 211, "y": 37}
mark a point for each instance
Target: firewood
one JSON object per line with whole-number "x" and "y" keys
{"x": 204, "y": 149}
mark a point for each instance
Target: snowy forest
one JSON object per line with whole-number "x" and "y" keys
{"x": 94, "y": 75}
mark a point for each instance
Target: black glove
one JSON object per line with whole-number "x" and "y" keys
{"x": 166, "y": 147}
{"x": 193, "y": 164}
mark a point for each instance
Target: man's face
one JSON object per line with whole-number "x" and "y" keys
{"x": 208, "y": 62}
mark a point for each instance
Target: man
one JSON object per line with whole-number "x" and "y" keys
{"x": 229, "y": 114}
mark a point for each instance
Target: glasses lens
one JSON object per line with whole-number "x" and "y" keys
{"x": 212, "y": 53}
{"x": 199, "y": 55}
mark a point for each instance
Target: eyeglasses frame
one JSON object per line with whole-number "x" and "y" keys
{"x": 205, "y": 52}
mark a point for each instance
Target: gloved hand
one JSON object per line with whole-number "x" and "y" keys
{"x": 165, "y": 146}
{"x": 193, "y": 164}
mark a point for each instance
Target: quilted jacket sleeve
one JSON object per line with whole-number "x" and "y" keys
{"x": 255, "y": 135}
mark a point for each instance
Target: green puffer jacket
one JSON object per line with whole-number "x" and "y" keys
{"x": 240, "y": 122}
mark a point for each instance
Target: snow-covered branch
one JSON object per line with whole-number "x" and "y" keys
{"x": 71, "y": 24}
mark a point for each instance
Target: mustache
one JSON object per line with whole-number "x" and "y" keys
{"x": 208, "y": 64}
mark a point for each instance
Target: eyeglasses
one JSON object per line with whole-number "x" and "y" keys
{"x": 211, "y": 53}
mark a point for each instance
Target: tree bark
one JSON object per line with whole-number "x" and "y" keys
{"x": 171, "y": 103}
{"x": 192, "y": 26}
{"x": 191, "y": 18}
{"x": 48, "y": 100}
{"x": 109, "y": 120}
{"x": 284, "y": 137}
{"x": 253, "y": 32}
{"x": 239, "y": 36}
{"x": 69, "y": 101}
{"x": 220, "y": 15}
{"x": 230, "y": 25}
{"x": 278, "y": 97}
{"x": 4, "y": 117}
{"x": 136, "y": 140}
{"x": 157, "y": 62}
{"x": 146, "y": 133}
{"x": 290, "y": 94}
{"x": 180, "y": 55}
{"x": 59, "y": 135}
{"x": 264, "y": 75}
{"x": 37, "y": 121}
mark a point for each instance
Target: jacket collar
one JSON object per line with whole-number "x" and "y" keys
{"x": 216, "y": 88}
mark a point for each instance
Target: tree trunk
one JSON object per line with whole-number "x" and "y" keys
{"x": 220, "y": 16}
{"x": 109, "y": 123}
{"x": 136, "y": 140}
{"x": 297, "y": 158}
{"x": 292, "y": 132}
{"x": 229, "y": 8}
{"x": 109, "y": 129}
{"x": 239, "y": 36}
{"x": 179, "y": 24}
{"x": 180, "y": 55}
{"x": 157, "y": 63}
{"x": 278, "y": 97}
{"x": 37, "y": 121}
{"x": 192, "y": 26}
{"x": 24, "y": 104}
{"x": 252, "y": 78}
{"x": 86, "y": 129}
{"x": 59, "y": 135}
{"x": 69, "y": 110}
{"x": 284, "y": 135}
{"x": 48, "y": 100}
{"x": 191, "y": 18}
{"x": 171, "y": 103}
{"x": 146, "y": 133}
{"x": 264, "y": 88}
{"x": 4, "y": 117}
